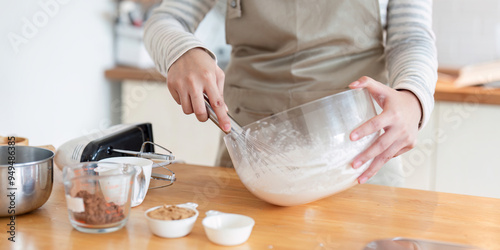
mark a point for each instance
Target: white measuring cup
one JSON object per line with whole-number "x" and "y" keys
{"x": 141, "y": 179}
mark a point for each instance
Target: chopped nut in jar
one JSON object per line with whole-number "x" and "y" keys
{"x": 171, "y": 213}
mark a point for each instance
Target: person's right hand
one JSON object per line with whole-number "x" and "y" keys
{"x": 193, "y": 74}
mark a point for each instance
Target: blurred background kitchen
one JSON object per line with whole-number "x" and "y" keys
{"x": 70, "y": 68}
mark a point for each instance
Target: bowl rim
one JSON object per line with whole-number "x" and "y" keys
{"x": 67, "y": 168}
{"x": 240, "y": 216}
{"x": 172, "y": 221}
{"x": 345, "y": 92}
{"x": 31, "y": 163}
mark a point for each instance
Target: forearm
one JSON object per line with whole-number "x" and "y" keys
{"x": 411, "y": 52}
{"x": 169, "y": 32}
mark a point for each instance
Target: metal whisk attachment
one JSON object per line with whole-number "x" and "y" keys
{"x": 161, "y": 160}
{"x": 271, "y": 155}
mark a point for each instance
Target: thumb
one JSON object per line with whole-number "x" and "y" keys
{"x": 377, "y": 90}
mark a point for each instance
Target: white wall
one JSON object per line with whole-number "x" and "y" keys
{"x": 52, "y": 83}
{"x": 468, "y": 32}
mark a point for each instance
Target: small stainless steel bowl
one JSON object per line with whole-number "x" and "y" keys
{"x": 28, "y": 185}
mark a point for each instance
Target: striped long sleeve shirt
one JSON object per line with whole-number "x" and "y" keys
{"x": 409, "y": 45}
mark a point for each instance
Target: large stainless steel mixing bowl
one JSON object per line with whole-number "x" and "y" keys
{"x": 303, "y": 154}
{"x": 32, "y": 179}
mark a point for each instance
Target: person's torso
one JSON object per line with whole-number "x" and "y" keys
{"x": 288, "y": 52}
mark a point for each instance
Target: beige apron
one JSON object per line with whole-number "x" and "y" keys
{"x": 289, "y": 52}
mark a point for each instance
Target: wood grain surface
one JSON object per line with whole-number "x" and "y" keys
{"x": 348, "y": 220}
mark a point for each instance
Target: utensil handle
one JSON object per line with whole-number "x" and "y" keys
{"x": 49, "y": 147}
{"x": 22, "y": 141}
{"x": 235, "y": 127}
{"x": 211, "y": 113}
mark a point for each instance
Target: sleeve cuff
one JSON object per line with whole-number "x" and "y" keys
{"x": 186, "y": 49}
{"x": 426, "y": 102}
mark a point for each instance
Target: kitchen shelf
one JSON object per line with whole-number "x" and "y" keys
{"x": 445, "y": 90}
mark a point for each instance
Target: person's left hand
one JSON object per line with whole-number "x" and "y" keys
{"x": 400, "y": 120}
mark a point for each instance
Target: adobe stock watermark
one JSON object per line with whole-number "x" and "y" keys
{"x": 11, "y": 188}
{"x": 31, "y": 26}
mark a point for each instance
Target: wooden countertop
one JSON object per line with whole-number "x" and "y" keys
{"x": 127, "y": 73}
{"x": 348, "y": 220}
{"x": 445, "y": 91}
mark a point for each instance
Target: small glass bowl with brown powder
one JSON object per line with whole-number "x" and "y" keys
{"x": 172, "y": 221}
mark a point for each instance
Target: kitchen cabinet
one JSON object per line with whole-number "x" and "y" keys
{"x": 456, "y": 152}
{"x": 469, "y": 148}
